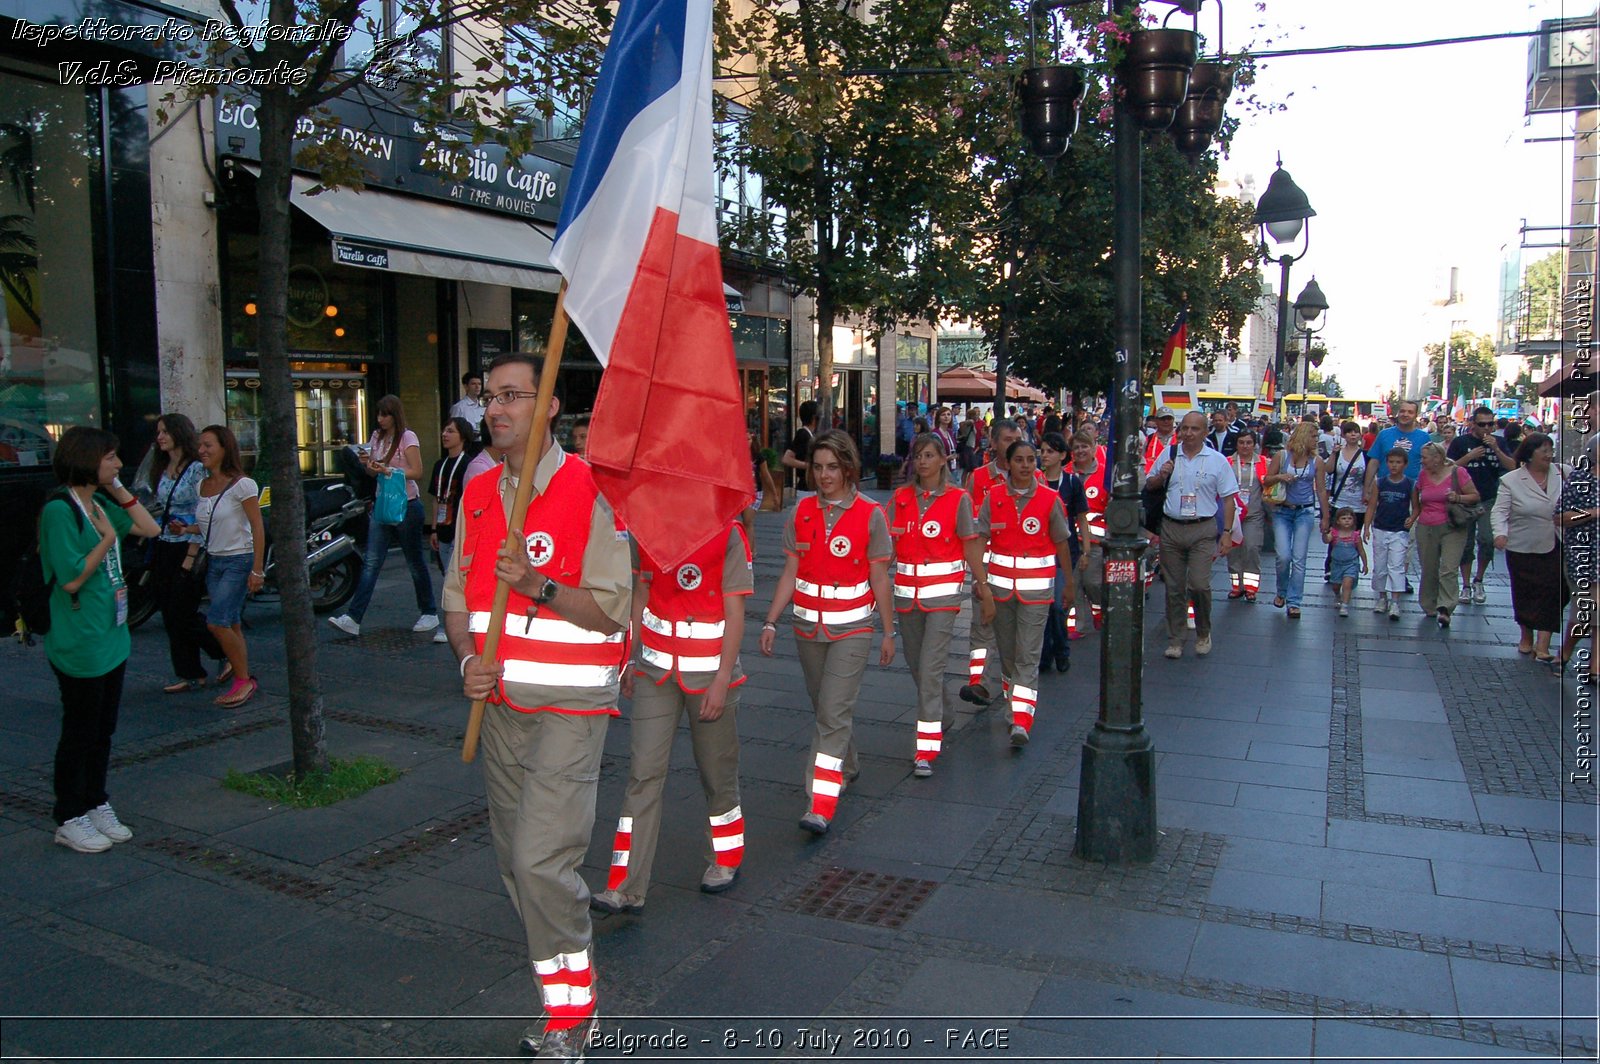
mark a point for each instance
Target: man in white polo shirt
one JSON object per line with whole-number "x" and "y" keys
{"x": 1199, "y": 484}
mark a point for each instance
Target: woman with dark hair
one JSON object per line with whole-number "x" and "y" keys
{"x": 1524, "y": 522}
{"x": 1439, "y": 543}
{"x": 1028, "y": 540}
{"x": 1244, "y": 564}
{"x": 80, "y": 532}
{"x": 944, "y": 427}
{"x": 836, "y": 572}
{"x": 175, "y": 476}
{"x": 228, "y": 522}
{"x": 394, "y": 451}
{"x": 449, "y": 476}
{"x": 1055, "y": 455}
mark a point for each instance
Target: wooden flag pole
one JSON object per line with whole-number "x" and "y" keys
{"x": 519, "y": 506}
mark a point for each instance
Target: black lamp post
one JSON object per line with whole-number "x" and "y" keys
{"x": 1281, "y": 214}
{"x": 1310, "y": 306}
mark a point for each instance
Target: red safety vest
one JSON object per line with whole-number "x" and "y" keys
{"x": 1022, "y": 556}
{"x": 1153, "y": 446}
{"x": 1243, "y": 498}
{"x": 684, "y": 619}
{"x": 831, "y": 586}
{"x": 928, "y": 558}
{"x": 1098, "y": 496}
{"x": 538, "y": 647}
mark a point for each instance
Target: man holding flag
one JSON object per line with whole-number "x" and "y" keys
{"x": 637, "y": 245}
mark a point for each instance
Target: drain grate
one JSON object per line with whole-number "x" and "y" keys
{"x": 155, "y": 753}
{"x": 402, "y": 727}
{"x": 431, "y": 838}
{"x": 238, "y": 868}
{"x": 858, "y": 897}
{"x": 388, "y": 641}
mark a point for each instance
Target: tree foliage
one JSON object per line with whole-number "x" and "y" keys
{"x": 1472, "y": 366}
{"x": 1317, "y": 384}
{"x": 1542, "y": 283}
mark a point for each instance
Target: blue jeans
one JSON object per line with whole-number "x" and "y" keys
{"x": 1291, "y": 532}
{"x": 409, "y": 533}
{"x": 1056, "y": 647}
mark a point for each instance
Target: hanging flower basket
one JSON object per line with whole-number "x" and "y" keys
{"x": 1199, "y": 117}
{"x": 1050, "y": 98}
{"x": 1154, "y": 74}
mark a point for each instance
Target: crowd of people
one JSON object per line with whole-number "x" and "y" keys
{"x": 1006, "y": 519}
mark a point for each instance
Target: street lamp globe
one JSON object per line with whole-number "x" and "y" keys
{"x": 1283, "y": 209}
{"x": 1311, "y": 303}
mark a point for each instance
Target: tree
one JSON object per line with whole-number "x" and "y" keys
{"x": 1317, "y": 384}
{"x": 1541, "y": 284}
{"x": 295, "y": 72}
{"x": 1472, "y": 365}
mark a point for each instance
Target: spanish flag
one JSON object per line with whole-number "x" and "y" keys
{"x": 1175, "y": 356}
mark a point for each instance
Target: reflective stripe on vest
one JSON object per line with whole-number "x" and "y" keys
{"x": 550, "y": 652}
{"x": 1021, "y": 564}
{"x": 682, "y": 644}
{"x": 853, "y": 603}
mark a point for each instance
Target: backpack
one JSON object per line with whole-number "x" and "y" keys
{"x": 1154, "y": 500}
{"x": 32, "y": 590}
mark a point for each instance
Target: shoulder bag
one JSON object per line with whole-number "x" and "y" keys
{"x": 1463, "y": 514}
{"x": 198, "y": 556}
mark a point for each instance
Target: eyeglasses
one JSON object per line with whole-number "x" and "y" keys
{"x": 1484, "y": 424}
{"x": 507, "y": 398}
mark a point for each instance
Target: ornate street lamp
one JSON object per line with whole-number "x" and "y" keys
{"x": 1310, "y": 306}
{"x": 1281, "y": 215}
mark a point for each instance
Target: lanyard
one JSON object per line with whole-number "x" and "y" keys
{"x": 444, "y": 478}
{"x": 112, "y": 562}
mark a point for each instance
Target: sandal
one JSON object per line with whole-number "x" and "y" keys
{"x": 1294, "y": 613}
{"x": 1548, "y": 659}
{"x": 242, "y": 692}
{"x": 1277, "y": 603}
{"x": 1524, "y": 649}
{"x": 225, "y": 673}
{"x": 180, "y": 687}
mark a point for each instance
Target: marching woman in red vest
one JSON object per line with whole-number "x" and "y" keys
{"x": 935, "y": 542}
{"x": 1029, "y": 542}
{"x": 837, "y": 575}
{"x": 1244, "y": 564}
{"x": 982, "y": 655}
{"x": 1089, "y": 462}
{"x": 689, "y": 621}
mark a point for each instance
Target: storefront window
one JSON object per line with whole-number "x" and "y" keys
{"x": 531, "y": 315}
{"x": 49, "y": 371}
{"x": 912, "y": 388}
{"x": 851, "y": 348}
{"x": 330, "y": 407}
{"x": 912, "y": 351}
{"x": 334, "y": 311}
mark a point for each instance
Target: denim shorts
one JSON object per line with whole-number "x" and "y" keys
{"x": 226, "y": 580}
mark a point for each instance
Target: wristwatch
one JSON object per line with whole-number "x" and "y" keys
{"x": 547, "y": 593}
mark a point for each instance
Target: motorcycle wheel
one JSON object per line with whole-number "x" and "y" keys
{"x": 335, "y": 585}
{"x": 142, "y": 604}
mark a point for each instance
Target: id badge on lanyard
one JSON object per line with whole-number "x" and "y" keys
{"x": 441, "y": 514}
{"x": 122, "y": 606}
{"x": 1187, "y": 500}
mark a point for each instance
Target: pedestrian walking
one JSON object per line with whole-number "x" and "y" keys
{"x": 394, "y": 451}
{"x": 1198, "y": 484}
{"x": 175, "y": 476}
{"x": 936, "y": 542}
{"x": 1088, "y": 464}
{"x": 836, "y": 572}
{"x": 1439, "y": 542}
{"x": 1054, "y": 456}
{"x": 233, "y": 543}
{"x": 81, "y": 527}
{"x": 1347, "y": 555}
{"x": 944, "y": 427}
{"x": 1295, "y": 519}
{"x": 797, "y": 457}
{"x": 554, "y": 685}
{"x": 1524, "y": 527}
{"x": 1479, "y": 451}
{"x": 1244, "y": 561}
{"x": 690, "y": 622}
{"x": 1578, "y": 516}
{"x": 1391, "y": 511}
{"x": 1345, "y": 469}
{"x": 983, "y": 663}
{"x": 1028, "y": 544}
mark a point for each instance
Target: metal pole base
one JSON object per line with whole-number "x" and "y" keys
{"x": 1117, "y": 797}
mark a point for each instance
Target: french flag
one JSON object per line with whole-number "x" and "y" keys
{"x": 637, "y": 244}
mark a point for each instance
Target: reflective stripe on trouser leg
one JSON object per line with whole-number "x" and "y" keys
{"x": 1252, "y": 581}
{"x": 976, "y": 657}
{"x": 653, "y": 726}
{"x": 833, "y": 671}
{"x": 827, "y": 783}
{"x": 1019, "y": 629}
{"x": 567, "y": 980}
{"x": 983, "y": 660}
{"x": 727, "y": 837}
{"x": 621, "y": 845}
{"x": 926, "y": 636}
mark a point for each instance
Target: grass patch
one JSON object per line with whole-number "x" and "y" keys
{"x": 343, "y": 779}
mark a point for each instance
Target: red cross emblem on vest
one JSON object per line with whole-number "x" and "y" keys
{"x": 1030, "y": 525}
{"x": 541, "y": 548}
{"x": 930, "y": 529}
{"x": 689, "y": 577}
{"x": 839, "y": 545}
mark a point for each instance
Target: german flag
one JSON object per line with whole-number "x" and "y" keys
{"x": 1175, "y": 356}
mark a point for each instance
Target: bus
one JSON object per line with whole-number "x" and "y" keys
{"x": 1343, "y": 408}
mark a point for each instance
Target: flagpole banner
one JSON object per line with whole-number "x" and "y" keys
{"x": 1182, "y": 400}
{"x": 1175, "y": 354}
{"x": 1266, "y": 399}
{"x": 637, "y": 243}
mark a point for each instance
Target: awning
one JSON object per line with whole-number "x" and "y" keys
{"x": 408, "y": 234}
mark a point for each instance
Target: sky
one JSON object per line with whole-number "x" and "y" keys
{"x": 1415, "y": 161}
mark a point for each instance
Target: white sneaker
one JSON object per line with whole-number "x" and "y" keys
{"x": 1174, "y": 650}
{"x": 346, "y": 624}
{"x": 1382, "y": 605}
{"x": 1479, "y": 595}
{"x": 1202, "y": 646}
{"x": 80, "y": 834}
{"x": 426, "y": 623}
{"x": 1344, "y": 611}
{"x": 439, "y": 636}
{"x": 1394, "y": 609}
{"x": 104, "y": 819}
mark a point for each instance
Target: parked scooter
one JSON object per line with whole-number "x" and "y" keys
{"x": 335, "y": 520}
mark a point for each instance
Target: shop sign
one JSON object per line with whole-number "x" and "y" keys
{"x": 392, "y": 146}
{"x": 348, "y": 254}
{"x": 308, "y": 296}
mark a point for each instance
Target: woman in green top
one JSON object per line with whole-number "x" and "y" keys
{"x": 80, "y": 529}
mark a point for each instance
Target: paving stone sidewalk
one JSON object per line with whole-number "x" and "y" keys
{"x": 1372, "y": 848}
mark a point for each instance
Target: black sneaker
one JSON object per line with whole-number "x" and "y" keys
{"x": 977, "y": 694}
{"x": 1063, "y": 663}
